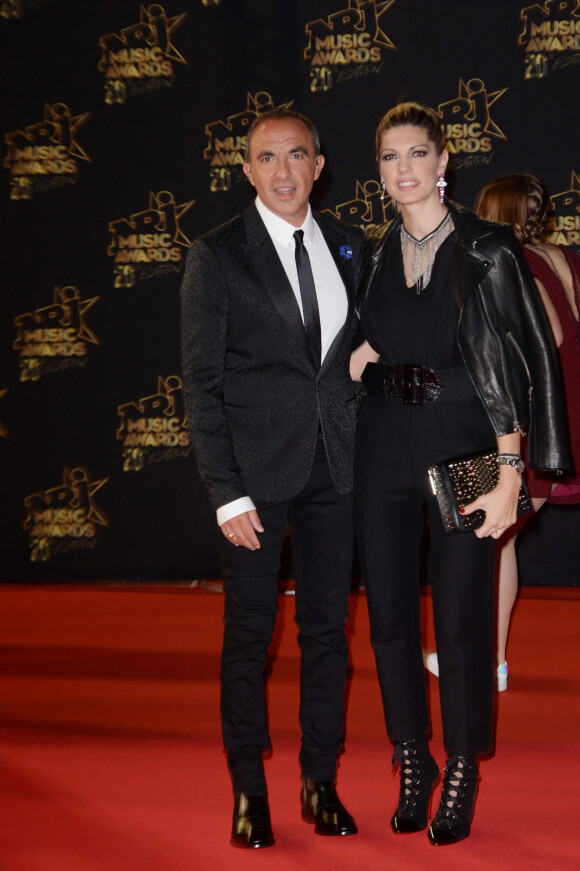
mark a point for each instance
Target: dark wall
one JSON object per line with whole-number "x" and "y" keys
{"x": 123, "y": 129}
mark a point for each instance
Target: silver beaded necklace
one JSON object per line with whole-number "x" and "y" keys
{"x": 419, "y": 254}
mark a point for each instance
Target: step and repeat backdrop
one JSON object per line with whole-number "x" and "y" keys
{"x": 123, "y": 132}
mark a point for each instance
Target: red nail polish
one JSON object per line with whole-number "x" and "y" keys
{"x": 462, "y": 510}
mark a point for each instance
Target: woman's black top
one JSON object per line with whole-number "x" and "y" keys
{"x": 406, "y": 327}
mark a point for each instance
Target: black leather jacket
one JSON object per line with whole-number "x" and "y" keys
{"x": 502, "y": 332}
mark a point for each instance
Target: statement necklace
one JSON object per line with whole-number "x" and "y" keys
{"x": 419, "y": 254}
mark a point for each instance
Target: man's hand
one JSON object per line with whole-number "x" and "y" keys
{"x": 241, "y": 530}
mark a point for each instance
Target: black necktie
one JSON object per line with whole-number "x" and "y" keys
{"x": 308, "y": 294}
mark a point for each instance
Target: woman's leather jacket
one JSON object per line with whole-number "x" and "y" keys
{"x": 502, "y": 332}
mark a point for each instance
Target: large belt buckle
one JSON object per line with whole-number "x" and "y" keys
{"x": 413, "y": 384}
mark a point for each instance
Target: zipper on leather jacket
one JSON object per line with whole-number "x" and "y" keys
{"x": 511, "y": 338}
{"x": 503, "y": 366}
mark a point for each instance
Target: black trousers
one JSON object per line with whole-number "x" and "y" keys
{"x": 395, "y": 446}
{"x": 322, "y": 535}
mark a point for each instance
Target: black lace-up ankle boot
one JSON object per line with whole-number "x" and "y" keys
{"x": 419, "y": 774}
{"x": 452, "y": 821}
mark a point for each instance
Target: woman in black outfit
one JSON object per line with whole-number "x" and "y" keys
{"x": 457, "y": 345}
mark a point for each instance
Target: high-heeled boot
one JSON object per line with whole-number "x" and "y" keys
{"x": 419, "y": 775}
{"x": 452, "y": 821}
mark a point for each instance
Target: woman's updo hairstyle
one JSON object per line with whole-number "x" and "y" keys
{"x": 521, "y": 201}
{"x": 413, "y": 115}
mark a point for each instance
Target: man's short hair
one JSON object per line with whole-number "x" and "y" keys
{"x": 282, "y": 112}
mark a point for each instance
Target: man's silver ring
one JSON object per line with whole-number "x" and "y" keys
{"x": 231, "y": 534}
{"x": 496, "y": 533}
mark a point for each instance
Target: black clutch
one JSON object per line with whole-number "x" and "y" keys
{"x": 460, "y": 480}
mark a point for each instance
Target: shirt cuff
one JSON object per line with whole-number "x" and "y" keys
{"x": 232, "y": 509}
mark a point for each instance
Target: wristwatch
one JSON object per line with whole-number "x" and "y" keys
{"x": 514, "y": 460}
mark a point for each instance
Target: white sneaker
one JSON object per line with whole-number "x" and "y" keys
{"x": 432, "y": 664}
{"x": 502, "y": 677}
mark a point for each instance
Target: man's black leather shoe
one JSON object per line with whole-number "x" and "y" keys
{"x": 322, "y": 806}
{"x": 251, "y": 828}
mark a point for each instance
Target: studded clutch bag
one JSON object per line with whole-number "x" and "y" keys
{"x": 460, "y": 480}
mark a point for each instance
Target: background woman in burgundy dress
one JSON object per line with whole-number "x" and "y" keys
{"x": 523, "y": 202}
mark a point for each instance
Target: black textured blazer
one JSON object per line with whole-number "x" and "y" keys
{"x": 253, "y": 396}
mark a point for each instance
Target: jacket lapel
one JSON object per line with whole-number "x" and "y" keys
{"x": 337, "y": 243}
{"x": 469, "y": 265}
{"x": 339, "y": 248}
{"x": 273, "y": 276}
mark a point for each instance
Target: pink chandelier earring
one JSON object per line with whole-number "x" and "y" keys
{"x": 442, "y": 184}
{"x": 384, "y": 193}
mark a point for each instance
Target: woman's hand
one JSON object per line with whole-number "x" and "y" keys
{"x": 500, "y": 505}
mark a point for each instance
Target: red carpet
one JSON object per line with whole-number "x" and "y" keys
{"x": 111, "y": 758}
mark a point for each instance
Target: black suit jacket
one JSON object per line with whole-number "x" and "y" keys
{"x": 253, "y": 395}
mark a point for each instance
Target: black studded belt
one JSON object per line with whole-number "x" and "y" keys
{"x": 414, "y": 385}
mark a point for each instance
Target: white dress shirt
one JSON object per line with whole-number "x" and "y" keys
{"x": 330, "y": 293}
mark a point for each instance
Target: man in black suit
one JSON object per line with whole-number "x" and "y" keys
{"x": 267, "y": 327}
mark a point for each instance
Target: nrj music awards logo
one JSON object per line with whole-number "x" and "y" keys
{"x": 149, "y": 243}
{"x": 226, "y": 141}
{"x": 550, "y": 36}
{"x": 141, "y": 57}
{"x": 565, "y": 224}
{"x": 65, "y": 517}
{"x": 366, "y": 209}
{"x": 153, "y": 429}
{"x": 45, "y": 155}
{"x": 55, "y": 337}
{"x": 349, "y": 44}
{"x": 468, "y": 125}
